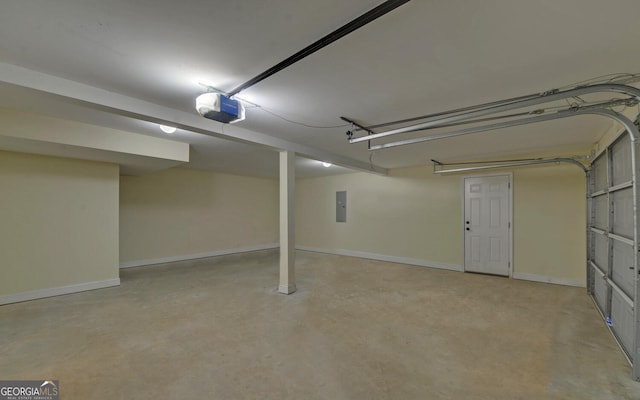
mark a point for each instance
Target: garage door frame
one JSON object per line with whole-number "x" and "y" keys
{"x": 616, "y": 297}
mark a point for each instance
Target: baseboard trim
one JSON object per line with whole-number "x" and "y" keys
{"x": 384, "y": 257}
{"x": 186, "y": 257}
{"x": 57, "y": 291}
{"x": 549, "y": 279}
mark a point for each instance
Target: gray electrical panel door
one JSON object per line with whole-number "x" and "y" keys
{"x": 341, "y": 206}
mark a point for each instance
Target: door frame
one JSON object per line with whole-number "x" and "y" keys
{"x": 509, "y": 212}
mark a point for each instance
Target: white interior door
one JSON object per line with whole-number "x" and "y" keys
{"x": 487, "y": 239}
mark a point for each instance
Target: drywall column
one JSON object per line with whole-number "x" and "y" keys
{"x": 287, "y": 223}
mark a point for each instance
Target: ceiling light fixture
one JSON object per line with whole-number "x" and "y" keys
{"x": 326, "y": 164}
{"x": 167, "y": 129}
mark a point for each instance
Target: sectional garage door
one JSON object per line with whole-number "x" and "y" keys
{"x": 612, "y": 251}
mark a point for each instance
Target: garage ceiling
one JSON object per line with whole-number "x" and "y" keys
{"x": 423, "y": 57}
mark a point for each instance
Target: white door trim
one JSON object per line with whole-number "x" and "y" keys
{"x": 509, "y": 211}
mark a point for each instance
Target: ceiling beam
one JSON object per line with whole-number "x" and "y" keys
{"x": 139, "y": 109}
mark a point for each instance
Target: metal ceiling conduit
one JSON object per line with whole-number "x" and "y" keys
{"x": 450, "y": 112}
{"x": 504, "y": 164}
{"x": 592, "y": 109}
{"x": 468, "y": 113}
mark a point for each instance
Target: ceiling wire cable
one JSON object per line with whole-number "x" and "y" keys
{"x": 575, "y": 106}
{"x": 612, "y": 107}
{"x": 629, "y": 78}
{"x": 577, "y": 99}
{"x": 450, "y": 112}
{"x": 600, "y": 79}
{"x": 214, "y": 89}
{"x": 583, "y": 103}
{"x": 538, "y": 111}
{"x": 259, "y": 107}
{"x": 487, "y": 119}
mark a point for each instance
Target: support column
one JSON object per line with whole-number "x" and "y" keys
{"x": 287, "y": 223}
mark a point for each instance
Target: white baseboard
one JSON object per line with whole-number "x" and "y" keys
{"x": 57, "y": 291}
{"x": 185, "y": 257}
{"x": 383, "y": 257}
{"x": 549, "y": 279}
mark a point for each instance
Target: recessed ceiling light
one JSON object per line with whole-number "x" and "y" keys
{"x": 167, "y": 129}
{"x": 326, "y": 164}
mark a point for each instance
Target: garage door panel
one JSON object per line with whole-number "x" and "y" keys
{"x": 600, "y": 212}
{"x": 600, "y": 250}
{"x": 600, "y": 291}
{"x": 623, "y": 270}
{"x": 621, "y": 161}
{"x": 623, "y": 213}
{"x": 622, "y": 321}
{"x": 612, "y": 242}
{"x": 599, "y": 174}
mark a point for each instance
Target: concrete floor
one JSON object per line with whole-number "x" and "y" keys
{"x": 356, "y": 329}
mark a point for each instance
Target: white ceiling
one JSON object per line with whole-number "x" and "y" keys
{"x": 424, "y": 57}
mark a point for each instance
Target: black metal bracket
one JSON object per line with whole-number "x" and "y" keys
{"x": 359, "y": 126}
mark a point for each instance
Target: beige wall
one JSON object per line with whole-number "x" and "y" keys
{"x": 33, "y": 128}
{"x": 181, "y": 212}
{"x": 410, "y": 213}
{"x": 59, "y": 222}
{"x": 416, "y": 215}
{"x": 549, "y": 218}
